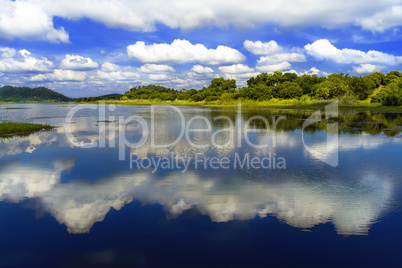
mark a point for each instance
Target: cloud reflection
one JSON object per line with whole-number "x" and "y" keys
{"x": 299, "y": 201}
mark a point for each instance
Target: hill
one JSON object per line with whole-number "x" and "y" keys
{"x": 113, "y": 95}
{"x": 26, "y": 94}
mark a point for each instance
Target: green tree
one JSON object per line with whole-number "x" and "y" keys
{"x": 361, "y": 87}
{"x": 198, "y": 97}
{"x": 332, "y": 88}
{"x": 377, "y": 77}
{"x": 392, "y": 76}
{"x": 307, "y": 82}
{"x": 391, "y": 95}
{"x": 289, "y": 90}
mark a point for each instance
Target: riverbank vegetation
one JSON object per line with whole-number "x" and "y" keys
{"x": 13, "y": 128}
{"x": 374, "y": 90}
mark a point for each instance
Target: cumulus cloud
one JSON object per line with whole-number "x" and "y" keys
{"x": 323, "y": 49}
{"x": 282, "y": 57}
{"x": 61, "y": 75}
{"x": 312, "y": 71}
{"x": 367, "y": 68}
{"x": 152, "y": 68}
{"x": 182, "y": 51}
{"x": 12, "y": 60}
{"x": 144, "y": 16}
{"x": 7, "y": 52}
{"x": 385, "y": 19}
{"x": 28, "y": 21}
{"x": 275, "y": 57}
{"x": 199, "y": 69}
{"x": 274, "y": 67}
{"x": 109, "y": 67}
{"x": 158, "y": 77}
{"x": 236, "y": 69}
{"x": 260, "y": 48}
{"x": 113, "y": 72}
{"x": 76, "y": 62}
{"x": 109, "y": 75}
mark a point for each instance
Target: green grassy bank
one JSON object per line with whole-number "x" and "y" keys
{"x": 13, "y": 128}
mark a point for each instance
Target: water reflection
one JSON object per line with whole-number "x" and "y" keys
{"x": 300, "y": 201}
{"x": 47, "y": 168}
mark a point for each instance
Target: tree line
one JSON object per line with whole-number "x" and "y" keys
{"x": 278, "y": 85}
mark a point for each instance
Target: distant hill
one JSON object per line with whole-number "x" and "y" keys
{"x": 26, "y": 94}
{"x": 111, "y": 95}
{"x": 108, "y": 97}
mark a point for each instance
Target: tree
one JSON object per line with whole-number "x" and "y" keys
{"x": 392, "y": 76}
{"x": 289, "y": 90}
{"x": 391, "y": 95}
{"x": 227, "y": 97}
{"x": 198, "y": 97}
{"x": 255, "y": 92}
{"x": 307, "y": 82}
{"x": 331, "y": 88}
{"x": 361, "y": 87}
{"x": 377, "y": 77}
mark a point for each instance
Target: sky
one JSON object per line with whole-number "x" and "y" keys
{"x": 91, "y": 48}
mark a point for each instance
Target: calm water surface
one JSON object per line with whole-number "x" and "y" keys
{"x": 97, "y": 202}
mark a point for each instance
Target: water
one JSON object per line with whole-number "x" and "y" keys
{"x": 91, "y": 200}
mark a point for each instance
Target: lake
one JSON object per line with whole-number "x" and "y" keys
{"x": 161, "y": 186}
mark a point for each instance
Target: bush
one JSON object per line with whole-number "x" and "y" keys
{"x": 289, "y": 90}
{"x": 227, "y": 97}
{"x": 333, "y": 87}
{"x": 361, "y": 87}
{"x": 198, "y": 97}
{"x": 392, "y": 77}
{"x": 391, "y": 95}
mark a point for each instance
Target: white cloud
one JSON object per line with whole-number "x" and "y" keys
{"x": 61, "y": 75}
{"x": 158, "y": 77}
{"x": 236, "y": 69}
{"x": 201, "y": 69}
{"x": 7, "y": 52}
{"x": 182, "y": 51}
{"x": 22, "y": 61}
{"x": 145, "y": 15}
{"x": 385, "y": 19}
{"x": 323, "y": 49}
{"x": 109, "y": 75}
{"x": 312, "y": 70}
{"x": 152, "y": 68}
{"x": 260, "y": 48}
{"x": 109, "y": 67}
{"x": 76, "y": 62}
{"x": 367, "y": 68}
{"x": 120, "y": 75}
{"x": 274, "y": 67}
{"x": 247, "y": 75}
{"x": 282, "y": 57}
{"x": 276, "y": 58}
{"x": 28, "y": 21}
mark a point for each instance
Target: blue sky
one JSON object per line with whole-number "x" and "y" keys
{"x": 91, "y": 48}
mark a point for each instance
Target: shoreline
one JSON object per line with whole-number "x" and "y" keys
{"x": 360, "y": 107}
{"x": 286, "y": 104}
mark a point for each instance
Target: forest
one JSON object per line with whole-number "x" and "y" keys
{"x": 375, "y": 87}
{"x": 26, "y": 94}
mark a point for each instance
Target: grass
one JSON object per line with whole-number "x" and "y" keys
{"x": 307, "y": 104}
{"x": 13, "y": 128}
